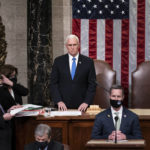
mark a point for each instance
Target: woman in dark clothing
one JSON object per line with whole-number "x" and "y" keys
{"x": 10, "y": 91}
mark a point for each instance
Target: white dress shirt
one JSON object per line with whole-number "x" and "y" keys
{"x": 71, "y": 61}
{"x": 119, "y": 114}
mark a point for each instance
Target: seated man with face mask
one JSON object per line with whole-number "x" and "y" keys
{"x": 116, "y": 122}
{"x": 43, "y": 140}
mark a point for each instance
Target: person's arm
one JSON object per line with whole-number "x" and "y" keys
{"x": 55, "y": 94}
{"x": 135, "y": 129}
{"x": 97, "y": 131}
{"x": 91, "y": 84}
{"x": 20, "y": 89}
{"x": 5, "y": 117}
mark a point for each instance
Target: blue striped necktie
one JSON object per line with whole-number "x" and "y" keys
{"x": 73, "y": 70}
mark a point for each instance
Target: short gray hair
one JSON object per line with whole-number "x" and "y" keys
{"x": 71, "y": 36}
{"x": 42, "y": 129}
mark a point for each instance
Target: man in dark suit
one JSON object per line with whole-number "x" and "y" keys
{"x": 117, "y": 120}
{"x": 43, "y": 140}
{"x": 73, "y": 78}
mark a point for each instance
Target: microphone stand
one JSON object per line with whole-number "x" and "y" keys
{"x": 116, "y": 119}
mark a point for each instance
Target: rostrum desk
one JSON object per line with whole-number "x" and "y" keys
{"x": 120, "y": 145}
{"x": 72, "y": 130}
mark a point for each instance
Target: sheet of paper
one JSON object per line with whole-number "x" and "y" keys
{"x": 65, "y": 113}
{"x": 15, "y": 111}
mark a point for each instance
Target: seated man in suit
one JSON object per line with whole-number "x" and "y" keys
{"x": 43, "y": 140}
{"x": 116, "y": 120}
{"x": 73, "y": 78}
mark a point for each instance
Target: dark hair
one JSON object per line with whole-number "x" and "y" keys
{"x": 7, "y": 70}
{"x": 115, "y": 86}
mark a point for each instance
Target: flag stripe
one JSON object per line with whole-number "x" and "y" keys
{"x": 141, "y": 31}
{"x": 109, "y": 42}
{"x": 101, "y": 39}
{"x": 125, "y": 58}
{"x": 117, "y": 49}
{"x": 147, "y": 30}
{"x": 133, "y": 38}
{"x": 92, "y": 38}
{"x": 84, "y": 37}
{"x": 76, "y": 24}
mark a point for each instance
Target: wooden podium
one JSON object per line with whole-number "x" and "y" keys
{"x": 110, "y": 145}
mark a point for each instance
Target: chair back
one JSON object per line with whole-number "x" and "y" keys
{"x": 140, "y": 96}
{"x": 105, "y": 77}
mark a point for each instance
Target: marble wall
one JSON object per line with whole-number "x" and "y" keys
{"x": 61, "y": 25}
{"x": 39, "y": 51}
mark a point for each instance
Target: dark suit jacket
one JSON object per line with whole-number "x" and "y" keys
{"x": 104, "y": 125}
{"x": 5, "y": 134}
{"x": 73, "y": 92}
{"x": 6, "y": 100}
{"x": 53, "y": 145}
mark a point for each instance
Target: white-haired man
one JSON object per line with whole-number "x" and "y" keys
{"x": 43, "y": 140}
{"x": 73, "y": 78}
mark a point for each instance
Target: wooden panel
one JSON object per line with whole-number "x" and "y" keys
{"x": 79, "y": 134}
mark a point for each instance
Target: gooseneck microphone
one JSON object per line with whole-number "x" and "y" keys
{"x": 116, "y": 119}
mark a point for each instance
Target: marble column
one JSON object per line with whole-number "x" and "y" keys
{"x": 39, "y": 51}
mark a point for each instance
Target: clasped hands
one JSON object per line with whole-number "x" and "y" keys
{"x": 118, "y": 134}
{"x": 62, "y": 106}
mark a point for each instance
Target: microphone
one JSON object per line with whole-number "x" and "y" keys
{"x": 99, "y": 85}
{"x": 116, "y": 119}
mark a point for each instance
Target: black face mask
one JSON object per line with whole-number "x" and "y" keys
{"x": 14, "y": 79}
{"x": 115, "y": 103}
{"x": 42, "y": 145}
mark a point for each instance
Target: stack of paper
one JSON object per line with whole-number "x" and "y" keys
{"x": 65, "y": 113}
{"x": 21, "y": 112}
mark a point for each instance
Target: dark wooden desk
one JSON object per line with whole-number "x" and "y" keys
{"x": 74, "y": 131}
{"x": 125, "y": 145}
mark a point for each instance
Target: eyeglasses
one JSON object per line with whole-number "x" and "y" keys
{"x": 70, "y": 45}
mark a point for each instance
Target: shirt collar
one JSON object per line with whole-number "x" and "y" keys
{"x": 119, "y": 111}
{"x": 70, "y": 56}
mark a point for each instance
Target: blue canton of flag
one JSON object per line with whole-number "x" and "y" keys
{"x": 100, "y": 9}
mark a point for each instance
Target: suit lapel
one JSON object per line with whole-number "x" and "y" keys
{"x": 110, "y": 119}
{"x": 67, "y": 67}
{"x": 124, "y": 120}
{"x": 80, "y": 63}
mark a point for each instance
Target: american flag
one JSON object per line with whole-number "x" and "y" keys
{"x": 117, "y": 31}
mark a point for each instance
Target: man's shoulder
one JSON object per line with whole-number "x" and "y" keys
{"x": 85, "y": 58}
{"x": 104, "y": 113}
{"x": 130, "y": 113}
{"x": 61, "y": 57}
{"x": 55, "y": 145}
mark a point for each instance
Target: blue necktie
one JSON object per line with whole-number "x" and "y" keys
{"x": 73, "y": 67}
